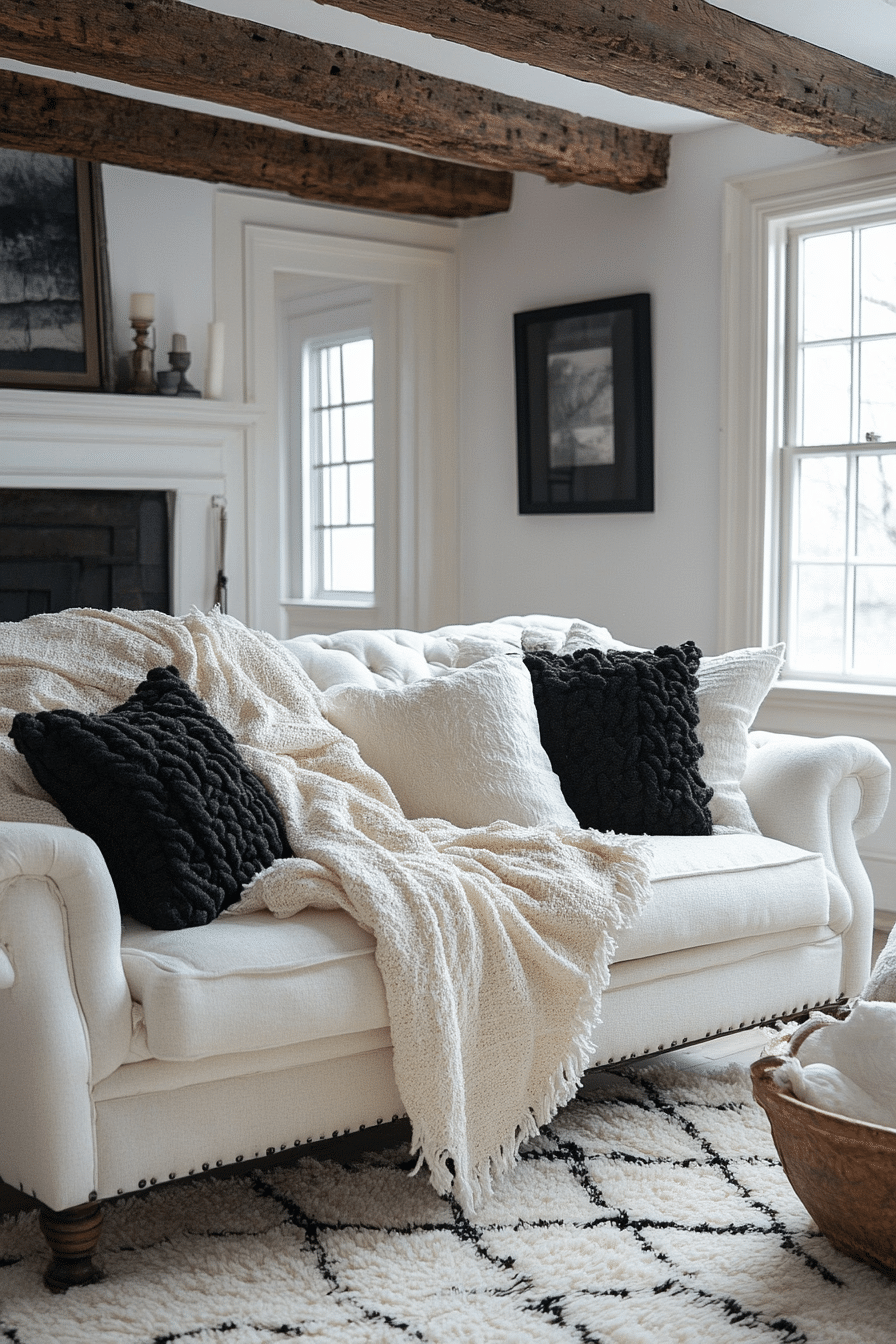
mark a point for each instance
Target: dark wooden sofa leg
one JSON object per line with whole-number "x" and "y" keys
{"x": 72, "y": 1235}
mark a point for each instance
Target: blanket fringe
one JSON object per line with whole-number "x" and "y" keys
{"x": 449, "y": 1172}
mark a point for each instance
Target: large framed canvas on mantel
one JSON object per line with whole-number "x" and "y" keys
{"x": 584, "y": 401}
{"x": 55, "y": 319}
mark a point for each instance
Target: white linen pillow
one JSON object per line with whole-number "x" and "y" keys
{"x": 731, "y": 688}
{"x": 464, "y": 747}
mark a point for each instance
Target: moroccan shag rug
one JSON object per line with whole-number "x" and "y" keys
{"x": 653, "y": 1208}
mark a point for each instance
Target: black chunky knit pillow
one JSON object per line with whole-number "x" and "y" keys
{"x": 619, "y": 728}
{"x": 160, "y": 785}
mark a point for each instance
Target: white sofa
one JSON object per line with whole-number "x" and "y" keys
{"x": 132, "y": 1057}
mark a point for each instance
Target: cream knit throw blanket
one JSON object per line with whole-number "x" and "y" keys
{"x": 493, "y": 944}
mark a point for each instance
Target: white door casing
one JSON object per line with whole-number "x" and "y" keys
{"x": 410, "y": 265}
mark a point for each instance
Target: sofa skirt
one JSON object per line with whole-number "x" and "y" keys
{"x": 148, "y": 1137}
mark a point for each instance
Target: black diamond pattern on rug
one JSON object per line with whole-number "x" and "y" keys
{"x": 653, "y": 1208}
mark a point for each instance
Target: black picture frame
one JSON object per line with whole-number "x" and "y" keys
{"x": 55, "y": 307}
{"x": 584, "y": 404}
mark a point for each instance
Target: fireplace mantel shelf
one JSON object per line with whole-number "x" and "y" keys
{"x": 104, "y": 407}
{"x": 199, "y": 451}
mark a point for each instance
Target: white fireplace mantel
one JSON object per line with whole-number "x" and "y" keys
{"x": 197, "y": 449}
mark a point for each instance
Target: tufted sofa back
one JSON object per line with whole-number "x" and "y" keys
{"x": 387, "y": 658}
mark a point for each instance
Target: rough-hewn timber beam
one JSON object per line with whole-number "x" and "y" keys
{"x": 179, "y": 48}
{"x": 677, "y": 51}
{"x": 55, "y": 118}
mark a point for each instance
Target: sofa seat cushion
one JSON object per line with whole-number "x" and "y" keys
{"x": 721, "y": 888}
{"x": 254, "y": 982}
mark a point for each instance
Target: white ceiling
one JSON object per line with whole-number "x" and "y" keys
{"x": 862, "y": 29}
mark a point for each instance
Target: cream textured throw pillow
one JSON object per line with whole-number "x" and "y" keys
{"x": 464, "y": 748}
{"x": 731, "y": 689}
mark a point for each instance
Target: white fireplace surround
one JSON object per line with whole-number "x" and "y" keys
{"x": 196, "y": 449}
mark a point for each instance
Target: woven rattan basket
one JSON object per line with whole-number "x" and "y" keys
{"x": 844, "y": 1171}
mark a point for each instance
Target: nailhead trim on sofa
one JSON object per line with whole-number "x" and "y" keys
{"x": 656, "y": 1050}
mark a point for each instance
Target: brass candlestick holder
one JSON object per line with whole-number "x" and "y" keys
{"x": 142, "y": 381}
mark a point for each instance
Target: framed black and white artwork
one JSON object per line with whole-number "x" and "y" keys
{"x": 55, "y": 326}
{"x": 584, "y": 405}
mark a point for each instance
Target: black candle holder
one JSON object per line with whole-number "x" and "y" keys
{"x": 180, "y": 362}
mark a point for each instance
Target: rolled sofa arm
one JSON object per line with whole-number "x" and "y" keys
{"x": 65, "y": 1008}
{"x": 823, "y": 794}
{"x": 790, "y": 780}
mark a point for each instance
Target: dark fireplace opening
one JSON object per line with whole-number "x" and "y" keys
{"x": 84, "y": 548}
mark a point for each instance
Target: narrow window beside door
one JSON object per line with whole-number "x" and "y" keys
{"x": 338, "y": 452}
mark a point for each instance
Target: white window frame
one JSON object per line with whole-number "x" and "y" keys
{"x": 313, "y": 319}
{"x": 758, "y": 212}
{"x": 261, "y": 246}
{"x": 311, "y": 526}
{"x": 786, "y": 598}
{"x": 785, "y": 235}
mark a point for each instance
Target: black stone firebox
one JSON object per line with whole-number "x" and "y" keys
{"x": 84, "y": 548}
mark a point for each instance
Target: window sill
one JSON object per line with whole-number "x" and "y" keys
{"x": 327, "y": 603}
{"x": 822, "y": 708}
{"x": 856, "y": 689}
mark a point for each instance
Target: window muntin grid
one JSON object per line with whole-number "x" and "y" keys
{"x": 842, "y": 570}
{"x": 845, "y": 338}
{"x": 838, "y": 579}
{"x": 341, "y": 458}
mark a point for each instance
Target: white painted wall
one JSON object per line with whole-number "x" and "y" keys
{"x": 650, "y": 578}
{"x": 160, "y": 242}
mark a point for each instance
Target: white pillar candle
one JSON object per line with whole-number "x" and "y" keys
{"x": 214, "y": 374}
{"x": 143, "y": 307}
{"x": 179, "y": 343}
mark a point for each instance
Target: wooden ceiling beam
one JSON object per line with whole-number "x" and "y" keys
{"x": 685, "y": 52}
{"x": 52, "y": 117}
{"x": 181, "y": 49}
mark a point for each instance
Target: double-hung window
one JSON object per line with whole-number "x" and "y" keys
{"x": 836, "y": 516}
{"x": 808, "y": 552}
